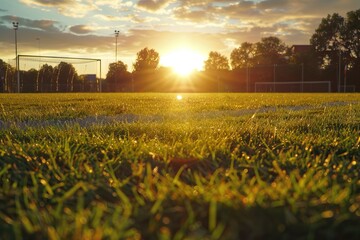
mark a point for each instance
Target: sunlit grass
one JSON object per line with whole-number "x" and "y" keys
{"x": 286, "y": 168}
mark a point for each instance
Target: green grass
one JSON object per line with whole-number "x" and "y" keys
{"x": 106, "y": 166}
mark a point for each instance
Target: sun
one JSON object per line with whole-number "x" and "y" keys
{"x": 183, "y": 61}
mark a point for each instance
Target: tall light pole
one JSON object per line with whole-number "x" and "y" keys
{"x": 274, "y": 77}
{"x": 339, "y": 79}
{"x": 38, "y": 72}
{"x": 116, "y": 37}
{"x": 38, "y": 40}
{"x": 345, "y": 70}
{"x": 302, "y": 77}
{"x": 16, "y": 26}
{"x": 247, "y": 77}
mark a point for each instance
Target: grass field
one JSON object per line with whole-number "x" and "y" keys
{"x": 150, "y": 166}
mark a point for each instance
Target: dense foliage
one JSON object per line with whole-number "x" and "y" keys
{"x": 338, "y": 37}
{"x": 146, "y": 60}
{"x": 216, "y": 61}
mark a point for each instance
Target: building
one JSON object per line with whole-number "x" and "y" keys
{"x": 300, "y": 49}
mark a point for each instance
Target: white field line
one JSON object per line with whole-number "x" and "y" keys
{"x": 132, "y": 118}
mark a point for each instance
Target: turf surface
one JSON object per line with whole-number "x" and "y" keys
{"x": 209, "y": 166}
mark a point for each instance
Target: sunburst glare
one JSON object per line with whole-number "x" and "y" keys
{"x": 183, "y": 61}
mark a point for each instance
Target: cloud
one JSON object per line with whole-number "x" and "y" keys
{"x": 48, "y": 3}
{"x": 133, "y": 18}
{"x": 109, "y": 18}
{"x": 115, "y": 4}
{"x": 292, "y": 21}
{"x": 80, "y": 29}
{"x": 207, "y": 11}
{"x": 53, "y": 39}
{"x": 273, "y": 4}
{"x": 45, "y": 25}
{"x": 53, "y": 43}
{"x": 153, "y": 5}
{"x": 185, "y": 13}
{"x": 266, "y": 11}
{"x": 165, "y": 41}
{"x": 70, "y": 8}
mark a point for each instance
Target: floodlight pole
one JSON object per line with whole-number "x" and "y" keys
{"x": 302, "y": 77}
{"x": 38, "y": 73}
{"x": 274, "y": 76}
{"x": 116, "y": 37}
{"x": 100, "y": 83}
{"x": 247, "y": 77}
{"x": 339, "y": 79}
{"x": 16, "y": 26}
{"x": 38, "y": 40}
{"x": 345, "y": 70}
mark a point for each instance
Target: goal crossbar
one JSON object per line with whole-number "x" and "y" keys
{"x": 57, "y": 57}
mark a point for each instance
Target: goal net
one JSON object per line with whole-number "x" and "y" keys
{"x": 347, "y": 88}
{"x": 58, "y": 74}
{"x": 311, "y": 86}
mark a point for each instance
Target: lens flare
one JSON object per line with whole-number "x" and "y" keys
{"x": 183, "y": 61}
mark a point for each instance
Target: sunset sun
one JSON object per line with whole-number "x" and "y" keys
{"x": 183, "y": 61}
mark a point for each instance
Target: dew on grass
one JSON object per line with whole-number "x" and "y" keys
{"x": 327, "y": 214}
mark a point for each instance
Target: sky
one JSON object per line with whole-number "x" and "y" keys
{"x": 85, "y": 28}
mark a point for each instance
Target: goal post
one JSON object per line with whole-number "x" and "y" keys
{"x": 59, "y": 74}
{"x": 306, "y": 86}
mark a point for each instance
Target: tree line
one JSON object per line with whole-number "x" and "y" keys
{"x": 332, "y": 56}
{"x": 60, "y": 78}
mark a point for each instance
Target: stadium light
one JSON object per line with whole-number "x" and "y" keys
{"x": 116, "y": 37}
{"x": 38, "y": 41}
{"x": 16, "y": 26}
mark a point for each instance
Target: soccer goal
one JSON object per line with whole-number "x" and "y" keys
{"x": 58, "y": 74}
{"x": 347, "y": 88}
{"x": 311, "y": 86}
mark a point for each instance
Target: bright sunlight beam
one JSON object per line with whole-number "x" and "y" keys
{"x": 183, "y": 61}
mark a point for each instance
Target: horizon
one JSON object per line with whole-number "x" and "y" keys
{"x": 57, "y": 29}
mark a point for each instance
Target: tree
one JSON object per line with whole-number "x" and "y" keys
{"x": 65, "y": 77}
{"x": 329, "y": 39}
{"x": 352, "y": 38}
{"x": 6, "y": 76}
{"x": 46, "y": 78}
{"x": 147, "y": 59}
{"x": 216, "y": 61}
{"x": 243, "y": 56}
{"x": 29, "y": 80}
{"x": 118, "y": 77}
{"x": 271, "y": 50}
